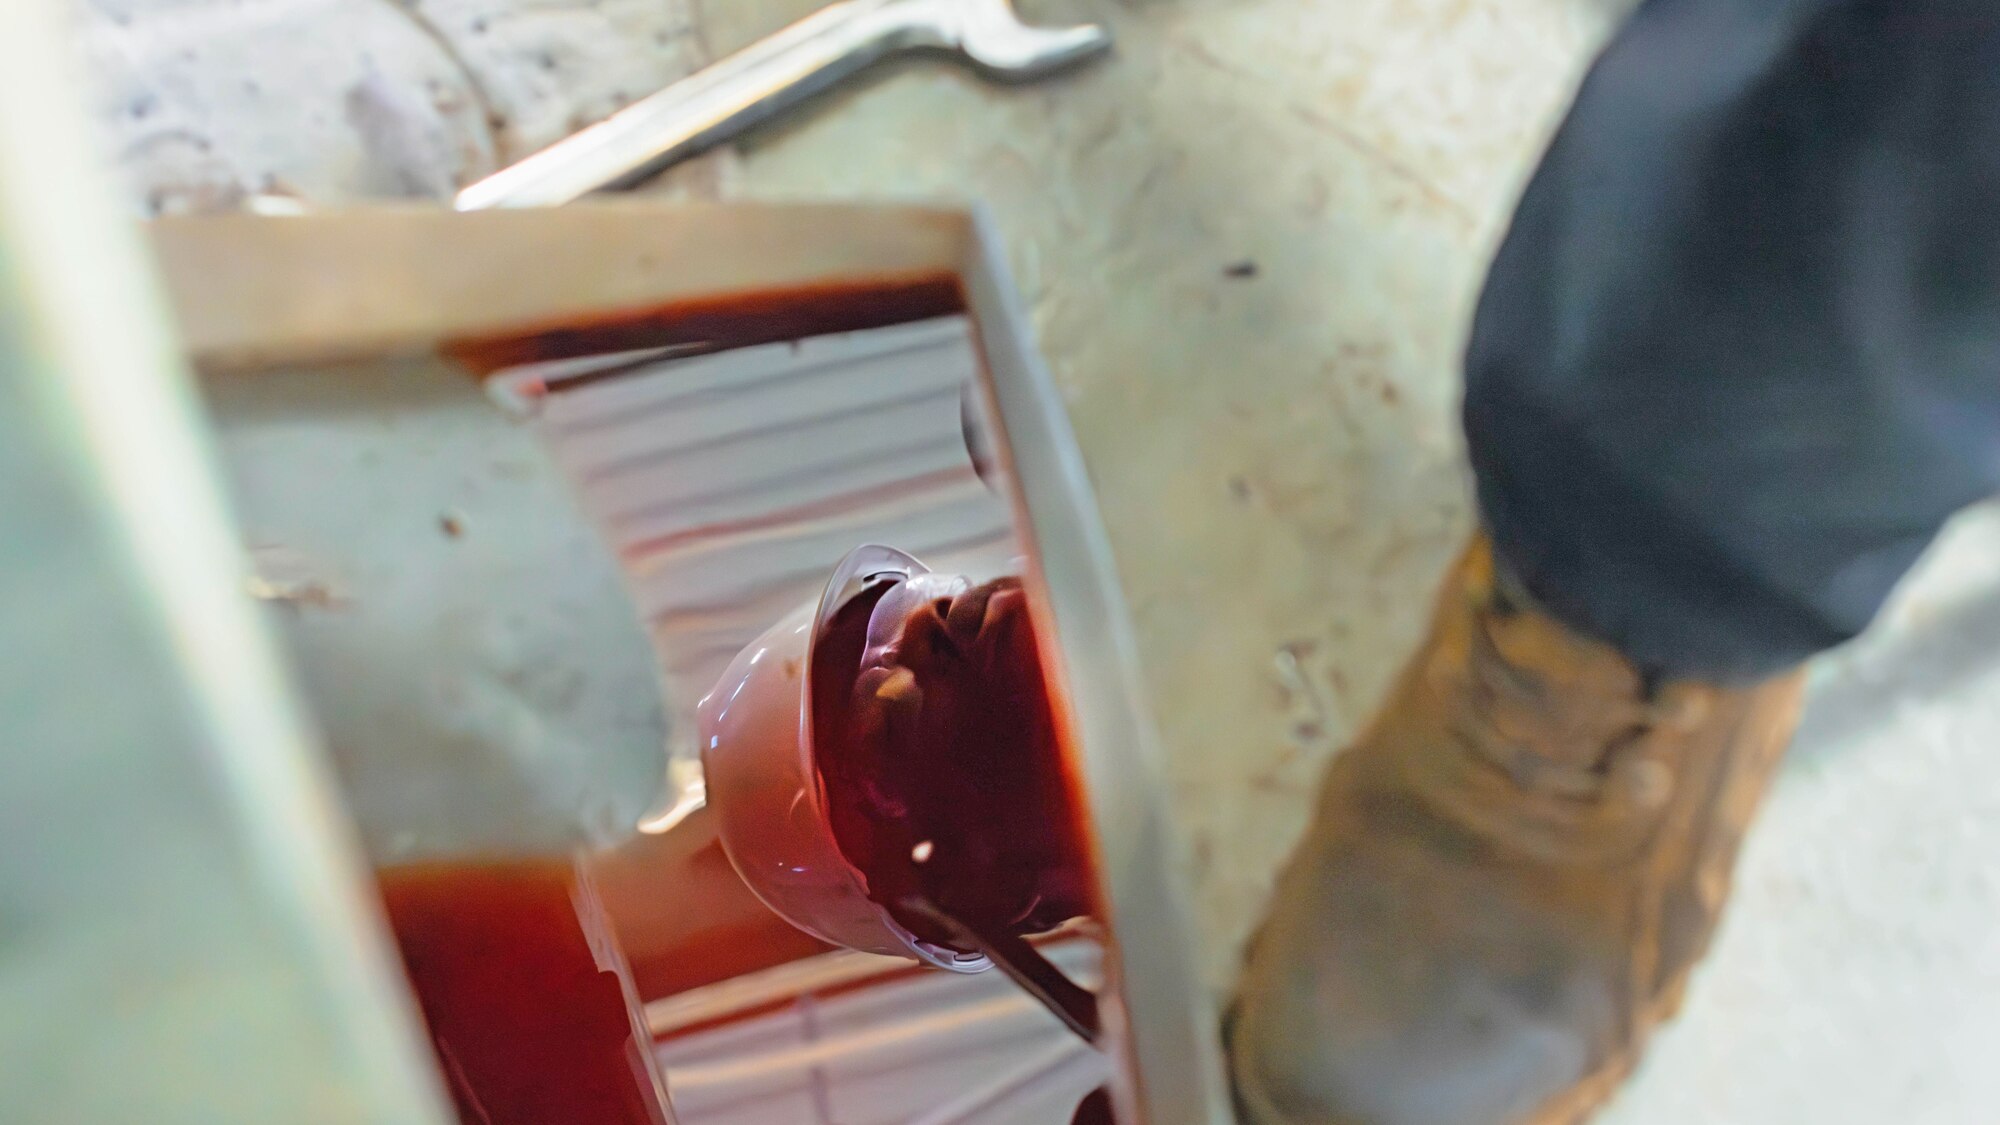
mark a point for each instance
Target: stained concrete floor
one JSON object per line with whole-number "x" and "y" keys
{"x": 1250, "y": 241}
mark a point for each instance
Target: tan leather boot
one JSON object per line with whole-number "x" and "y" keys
{"x": 1507, "y": 882}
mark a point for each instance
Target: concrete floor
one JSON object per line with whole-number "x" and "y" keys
{"x": 1280, "y": 469}
{"x": 1250, "y": 241}
{"x": 1276, "y": 454}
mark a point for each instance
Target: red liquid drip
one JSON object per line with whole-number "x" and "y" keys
{"x": 524, "y": 994}
{"x": 963, "y": 798}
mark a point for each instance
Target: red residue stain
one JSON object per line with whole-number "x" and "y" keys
{"x": 715, "y": 323}
{"x": 784, "y": 517}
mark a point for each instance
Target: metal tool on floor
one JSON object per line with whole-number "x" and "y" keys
{"x": 766, "y": 78}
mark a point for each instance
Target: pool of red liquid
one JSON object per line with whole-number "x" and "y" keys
{"x": 530, "y": 1009}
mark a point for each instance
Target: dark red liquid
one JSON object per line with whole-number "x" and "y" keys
{"x": 963, "y": 800}
{"x": 524, "y": 993}
{"x": 731, "y": 320}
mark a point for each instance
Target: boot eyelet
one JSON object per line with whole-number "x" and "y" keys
{"x": 1648, "y": 782}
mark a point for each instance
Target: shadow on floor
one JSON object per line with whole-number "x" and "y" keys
{"x": 1922, "y": 664}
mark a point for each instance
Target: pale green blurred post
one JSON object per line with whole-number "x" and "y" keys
{"x": 183, "y": 933}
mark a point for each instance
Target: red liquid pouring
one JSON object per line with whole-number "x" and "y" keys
{"x": 950, "y": 787}
{"x": 526, "y": 997}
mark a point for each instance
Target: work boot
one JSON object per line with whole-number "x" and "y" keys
{"x": 1507, "y": 880}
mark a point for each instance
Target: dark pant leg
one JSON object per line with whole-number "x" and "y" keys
{"x": 1739, "y": 356}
